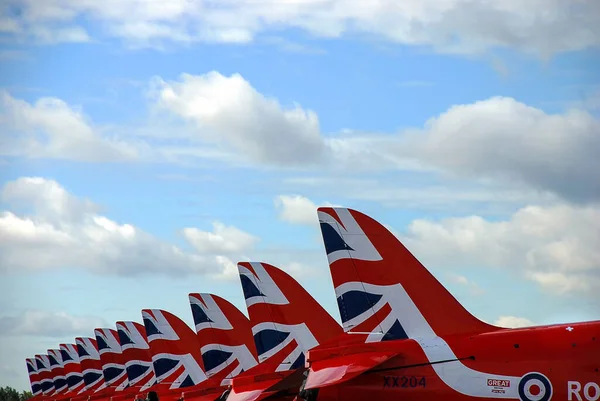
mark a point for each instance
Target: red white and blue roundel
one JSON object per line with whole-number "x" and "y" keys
{"x": 535, "y": 387}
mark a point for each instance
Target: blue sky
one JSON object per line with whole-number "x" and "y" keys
{"x": 477, "y": 149}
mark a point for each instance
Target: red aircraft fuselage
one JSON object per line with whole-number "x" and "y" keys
{"x": 492, "y": 365}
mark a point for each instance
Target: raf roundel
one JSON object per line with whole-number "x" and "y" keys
{"x": 535, "y": 387}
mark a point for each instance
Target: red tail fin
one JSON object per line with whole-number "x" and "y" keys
{"x": 175, "y": 349}
{"x": 45, "y": 376}
{"x": 136, "y": 354}
{"x": 113, "y": 364}
{"x": 34, "y": 377}
{"x": 57, "y": 371}
{"x": 72, "y": 367}
{"x": 286, "y": 320}
{"x": 381, "y": 287}
{"x": 225, "y": 336}
{"x": 91, "y": 365}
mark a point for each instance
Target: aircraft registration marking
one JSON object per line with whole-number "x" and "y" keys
{"x": 582, "y": 391}
{"x": 404, "y": 381}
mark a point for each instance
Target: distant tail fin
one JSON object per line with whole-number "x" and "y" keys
{"x": 34, "y": 377}
{"x": 286, "y": 320}
{"x": 43, "y": 368}
{"x": 57, "y": 371}
{"x": 136, "y": 354}
{"x": 382, "y": 288}
{"x": 72, "y": 367}
{"x": 174, "y": 348}
{"x": 225, "y": 337}
{"x": 91, "y": 365}
{"x": 113, "y": 366}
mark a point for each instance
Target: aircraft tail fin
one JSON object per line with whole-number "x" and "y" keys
{"x": 136, "y": 354}
{"x": 34, "y": 377}
{"x": 45, "y": 376}
{"x": 381, "y": 288}
{"x": 113, "y": 366}
{"x": 286, "y": 320}
{"x": 72, "y": 367}
{"x": 175, "y": 349}
{"x": 57, "y": 371}
{"x": 91, "y": 365}
{"x": 225, "y": 337}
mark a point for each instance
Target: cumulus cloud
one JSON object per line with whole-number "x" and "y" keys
{"x": 498, "y": 138}
{"x": 296, "y": 209}
{"x": 501, "y": 137}
{"x": 538, "y": 26}
{"x": 554, "y": 246}
{"x": 230, "y": 113}
{"x": 51, "y": 128}
{"x": 419, "y": 191}
{"x": 223, "y": 239}
{"x": 48, "y": 324}
{"x": 513, "y": 322}
{"x": 224, "y": 118}
{"x": 59, "y": 230}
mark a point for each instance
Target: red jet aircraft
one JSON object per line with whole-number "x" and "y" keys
{"x": 419, "y": 343}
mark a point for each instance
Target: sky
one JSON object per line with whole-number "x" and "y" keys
{"x": 147, "y": 146}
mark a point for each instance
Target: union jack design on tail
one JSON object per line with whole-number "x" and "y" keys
{"x": 42, "y": 364}
{"x": 174, "y": 348}
{"x": 72, "y": 367}
{"x": 91, "y": 365}
{"x": 57, "y": 371}
{"x": 113, "y": 367}
{"x": 136, "y": 353}
{"x": 286, "y": 320}
{"x": 34, "y": 377}
{"x": 225, "y": 337}
{"x": 377, "y": 281}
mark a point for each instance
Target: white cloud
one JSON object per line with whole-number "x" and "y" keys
{"x": 513, "y": 322}
{"x": 554, "y": 246}
{"x": 296, "y": 209}
{"x": 231, "y": 114}
{"x": 417, "y": 191}
{"x": 539, "y": 26}
{"x": 48, "y": 324}
{"x": 58, "y": 230}
{"x": 501, "y": 137}
{"x": 51, "y": 128}
{"x": 497, "y": 138}
{"x": 223, "y": 239}
{"x": 226, "y": 119}
{"x": 301, "y": 270}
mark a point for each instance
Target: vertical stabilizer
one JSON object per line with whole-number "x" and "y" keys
{"x": 225, "y": 337}
{"x": 286, "y": 320}
{"x": 382, "y": 288}
{"x": 175, "y": 350}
